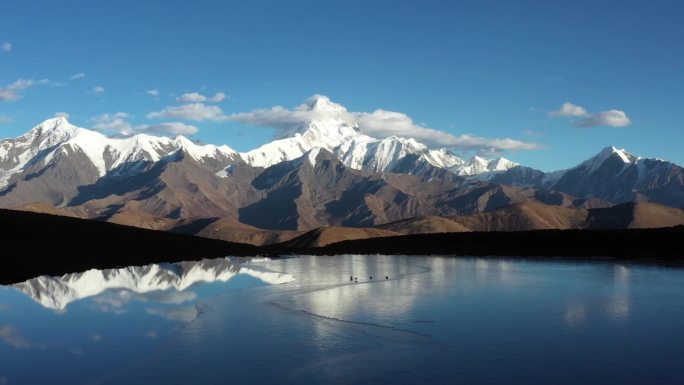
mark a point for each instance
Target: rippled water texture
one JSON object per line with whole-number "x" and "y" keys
{"x": 302, "y": 320}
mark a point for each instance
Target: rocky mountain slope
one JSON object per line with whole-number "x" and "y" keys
{"x": 613, "y": 175}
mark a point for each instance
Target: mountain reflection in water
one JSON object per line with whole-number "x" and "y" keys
{"x": 144, "y": 281}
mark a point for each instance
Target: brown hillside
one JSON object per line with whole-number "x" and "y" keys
{"x": 323, "y": 236}
{"x": 640, "y": 215}
{"x": 47, "y": 208}
{"x": 525, "y": 216}
{"x": 424, "y": 225}
{"x": 140, "y": 219}
{"x": 233, "y": 231}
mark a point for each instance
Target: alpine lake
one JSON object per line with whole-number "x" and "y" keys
{"x": 324, "y": 320}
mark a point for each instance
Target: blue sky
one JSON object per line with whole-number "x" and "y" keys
{"x": 491, "y": 70}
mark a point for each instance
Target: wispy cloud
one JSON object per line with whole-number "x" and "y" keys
{"x": 11, "y": 336}
{"x": 98, "y": 90}
{"x": 12, "y": 91}
{"x": 115, "y": 122}
{"x": 168, "y": 128}
{"x": 152, "y": 92}
{"x": 611, "y": 118}
{"x": 6, "y": 46}
{"x": 192, "y": 111}
{"x": 61, "y": 115}
{"x": 196, "y": 97}
{"x": 79, "y": 75}
{"x": 533, "y": 132}
{"x": 379, "y": 124}
{"x": 118, "y": 123}
{"x": 181, "y": 314}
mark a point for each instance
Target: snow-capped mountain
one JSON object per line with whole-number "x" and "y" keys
{"x": 58, "y": 292}
{"x": 45, "y": 144}
{"x": 324, "y": 172}
{"x": 618, "y": 176}
{"x": 330, "y": 129}
{"x": 613, "y": 174}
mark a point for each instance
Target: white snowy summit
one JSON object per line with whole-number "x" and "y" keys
{"x": 331, "y": 128}
{"x": 56, "y": 138}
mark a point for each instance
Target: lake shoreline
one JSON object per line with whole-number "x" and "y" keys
{"x": 664, "y": 246}
{"x": 41, "y": 244}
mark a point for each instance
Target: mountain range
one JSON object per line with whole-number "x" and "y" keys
{"x": 324, "y": 173}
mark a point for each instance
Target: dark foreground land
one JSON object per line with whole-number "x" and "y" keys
{"x": 664, "y": 245}
{"x": 34, "y": 244}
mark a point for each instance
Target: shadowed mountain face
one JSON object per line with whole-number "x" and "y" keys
{"x": 612, "y": 175}
{"x": 309, "y": 193}
{"x": 526, "y": 216}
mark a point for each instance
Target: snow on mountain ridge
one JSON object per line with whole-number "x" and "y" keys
{"x": 53, "y": 136}
{"x": 478, "y": 165}
{"x": 330, "y": 128}
{"x": 594, "y": 163}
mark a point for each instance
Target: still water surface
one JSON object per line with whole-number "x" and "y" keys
{"x": 303, "y": 321}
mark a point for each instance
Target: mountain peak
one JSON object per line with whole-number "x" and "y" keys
{"x": 59, "y": 122}
{"x": 595, "y": 162}
{"x": 625, "y": 156}
{"x": 54, "y": 129}
{"x": 323, "y": 103}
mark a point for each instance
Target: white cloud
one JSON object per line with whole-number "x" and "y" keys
{"x": 79, "y": 75}
{"x": 117, "y": 123}
{"x": 98, "y": 90}
{"x": 192, "y": 111}
{"x": 4, "y": 119}
{"x": 277, "y": 117}
{"x": 169, "y": 128}
{"x": 568, "y": 109}
{"x": 61, "y": 115}
{"x": 379, "y": 124}
{"x": 6, "y": 46}
{"x": 152, "y": 92}
{"x": 192, "y": 97}
{"x": 611, "y": 118}
{"x": 196, "y": 97}
{"x": 218, "y": 97}
{"x": 12, "y": 91}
